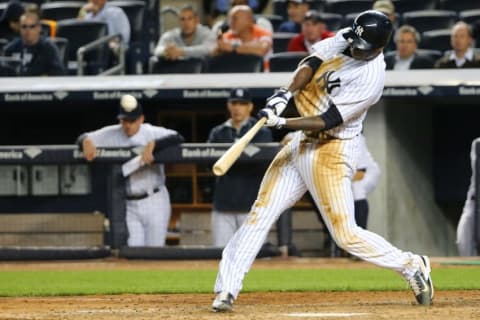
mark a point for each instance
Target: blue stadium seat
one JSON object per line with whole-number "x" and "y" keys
{"x": 79, "y": 33}
{"x": 275, "y": 20}
{"x": 347, "y": 6}
{"x": 61, "y": 44}
{"x": 425, "y": 20}
{"x": 286, "y": 61}
{"x": 279, "y": 8}
{"x": 235, "y": 63}
{"x": 402, "y": 6}
{"x": 459, "y": 5}
{"x": 162, "y": 66}
{"x": 281, "y": 40}
{"x": 469, "y": 16}
{"x": 61, "y": 10}
{"x": 334, "y": 21}
{"x": 436, "y": 40}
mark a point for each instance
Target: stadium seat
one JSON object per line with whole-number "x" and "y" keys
{"x": 286, "y": 61}
{"x": 347, "y": 6}
{"x": 334, "y": 21}
{"x": 61, "y": 44}
{"x": 434, "y": 54}
{"x": 279, "y": 8}
{"x": 459, "y": 5}
{"x": 135, "y": 12}
{"x": 402, "y": 6}
{"x": 281, "y": 40}
{"x": 3, "y": 42}
{"x": 234, "y": 63}
{"x": 2, "y": 8}
{"x": 275, "y": 20}
{"x": 318, "y": 5}
{"x": 436, "y": 40}
{"x": 162, "y": 66}
{"x": 425, "y": 20}
{"x": 61, "y": 10}
{"x": 137, "y": 54}
{"x": 469, "y": 16}
{"x": 79, "y": 33}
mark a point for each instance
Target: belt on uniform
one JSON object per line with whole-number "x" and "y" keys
{"x": 143, "y": 195}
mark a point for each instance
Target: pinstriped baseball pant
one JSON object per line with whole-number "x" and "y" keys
{"x": 325, "y": 168}
{"x": 147, "y": 220}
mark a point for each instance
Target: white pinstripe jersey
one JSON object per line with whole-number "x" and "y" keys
{"x": 352, "y": 85}
{"x": 148, "y": 177}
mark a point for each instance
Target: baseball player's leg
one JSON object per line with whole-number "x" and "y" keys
{"x": 136, "y": 231}
{"x": 465, "y": 231}
{"x": 361, "y": 213}
{"x": 224, "y": 225}
{"x": 329, "y": 181}
{"x": 281, "y": 188}
{"x": 157, "y": 212}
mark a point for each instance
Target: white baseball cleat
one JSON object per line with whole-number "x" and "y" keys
{"x": 421, "y": 282}
{"x": 223, "y": 302}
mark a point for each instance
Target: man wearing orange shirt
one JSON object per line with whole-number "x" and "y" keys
{"x": 313, "y": 29}
{"x": 244, "y": 36}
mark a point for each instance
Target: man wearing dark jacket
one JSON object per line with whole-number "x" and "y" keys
{"x": 463, "y": 55}
{"x": 236, "y": 191}
{"x": 406, "y": 56}
{"x": 36, "y": 55}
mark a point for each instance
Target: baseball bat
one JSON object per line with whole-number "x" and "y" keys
{"x": 233, "y": 153}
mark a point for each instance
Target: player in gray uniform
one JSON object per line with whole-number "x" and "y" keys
{"x": 148, "y": 200}
{"x": 466, "y": 242}
{"x": 364, "y": 181}
{"x": 334, "y": 87}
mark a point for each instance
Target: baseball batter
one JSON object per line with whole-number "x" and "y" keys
{"x": 148, "y": 202}
{"x": 466, "y": 242}
{"x": 334, "y": 88}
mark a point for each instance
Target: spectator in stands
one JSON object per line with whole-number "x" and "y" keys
{"x": 244, "y": 36}
{"x": 10, "y": 20}
{"x": 222, "y": 26}
{"x": 296, "y": 10}
{"x": 313, "y": 29}
{"x": 407, "y": 39}
{"x": 49, "y": 27}
{"x": 462, "y": 55}
{"x": 114, "y": 17}
{"x": 190, "y": 40}
{"x": 147, "y": 200}
{"x": 37, "y": 56}
{"x": 387, "y": 7}
{"x": 243, "y": 180}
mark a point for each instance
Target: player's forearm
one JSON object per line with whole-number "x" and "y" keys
{"x": 302, "y": 76}
{"x": 313, "y": 123}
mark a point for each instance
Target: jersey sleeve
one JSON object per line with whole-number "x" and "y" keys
{"x": 105, "y": 136}
{"x": 327, "y": 49}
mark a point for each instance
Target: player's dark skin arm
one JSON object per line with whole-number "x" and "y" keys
{"x": 302, "y": 76}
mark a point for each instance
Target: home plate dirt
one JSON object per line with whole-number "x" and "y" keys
{"x": 397, "y": 305}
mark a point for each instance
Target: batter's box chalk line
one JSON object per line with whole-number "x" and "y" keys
{"x": 324, "y": 314}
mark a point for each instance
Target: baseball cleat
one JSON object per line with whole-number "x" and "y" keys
{"x": 421, "y": 282}
{"x": 223, "y": 302}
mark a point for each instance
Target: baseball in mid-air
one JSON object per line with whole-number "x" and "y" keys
{"x": 128, "y": 102}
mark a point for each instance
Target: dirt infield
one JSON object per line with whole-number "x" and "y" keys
{"x": 272, "y": 305}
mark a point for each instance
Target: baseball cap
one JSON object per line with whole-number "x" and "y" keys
{"x": 130, "y": 108}
{"x": 314, "y": 16}
{"x": 240, "y": 94}
{"x": 384, "y": 6}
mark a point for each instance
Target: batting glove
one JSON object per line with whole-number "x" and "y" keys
{"x": 279, "y": 100}
{"x": 272, "y": 119}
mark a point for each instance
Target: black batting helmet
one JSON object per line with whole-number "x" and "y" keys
{"x": 371, "y": 29}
